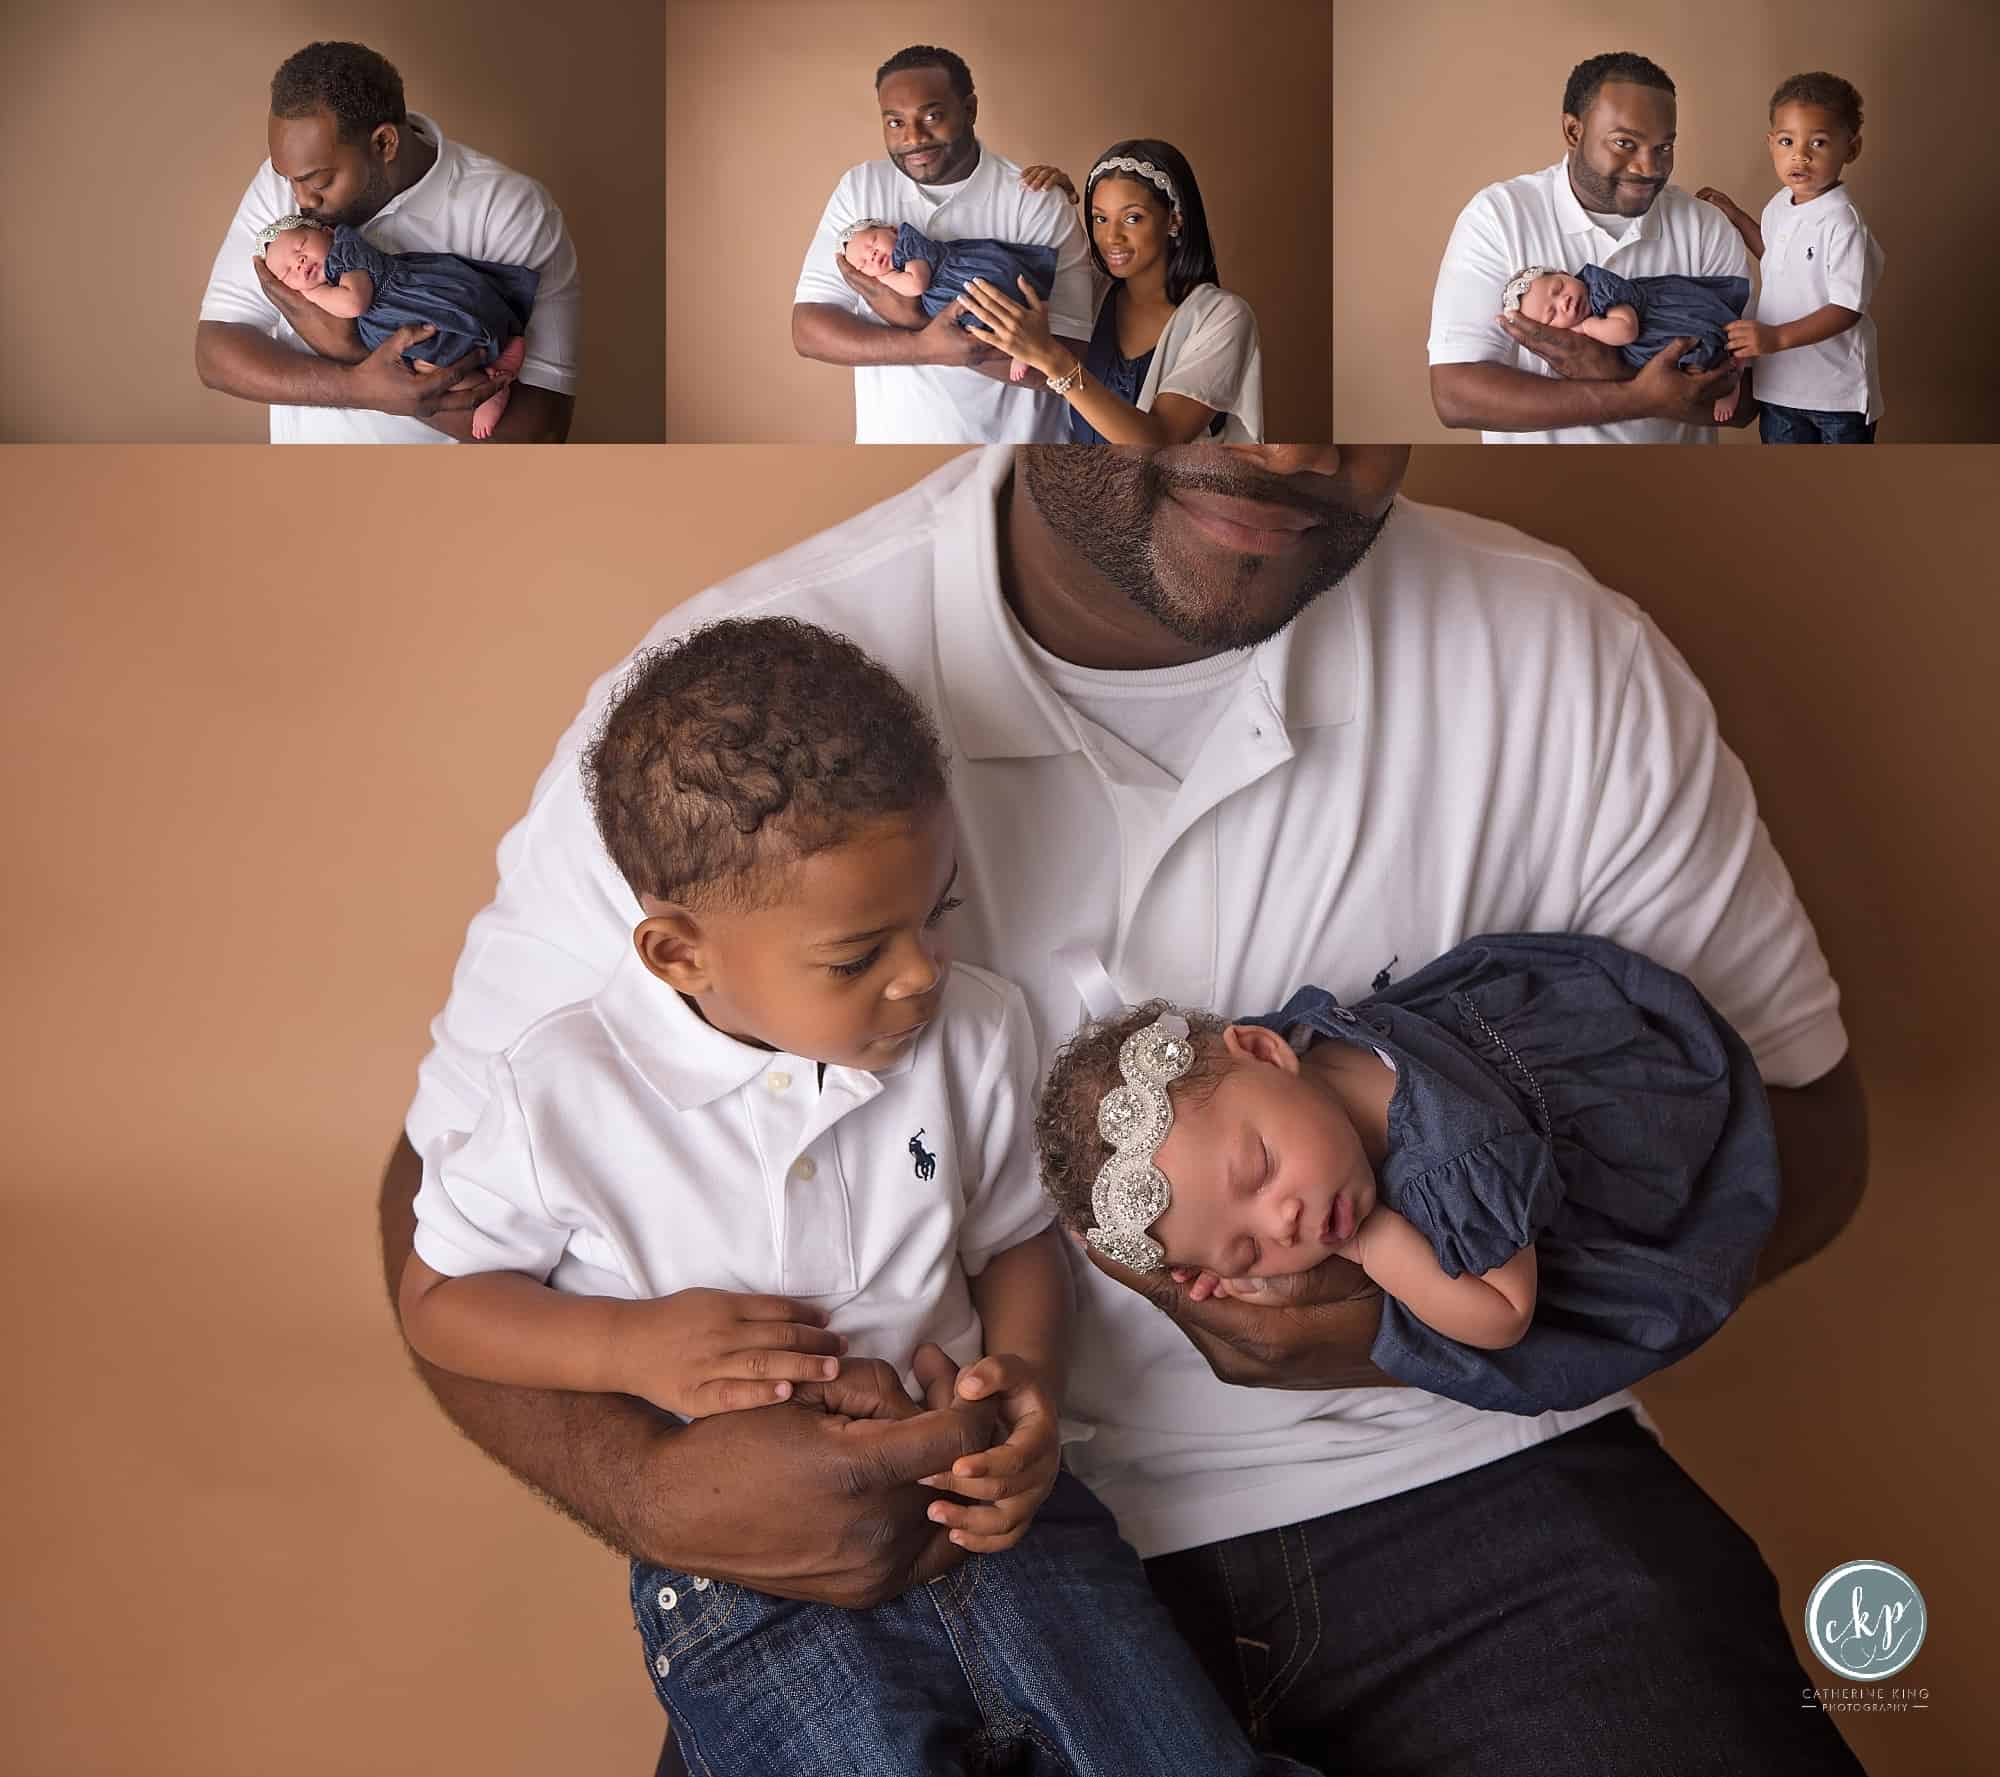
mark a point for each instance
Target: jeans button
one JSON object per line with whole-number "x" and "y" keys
{"x": 701, "y": 1585}
{"x": 668, "y": 1598}
{"x": 662, "y": 1665}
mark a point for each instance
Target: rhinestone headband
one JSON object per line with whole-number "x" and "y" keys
{"x": 1124, "y": 163}
{"x": 1131, "y": 1193}
{"x": 1517, "y": 285}
{"x": 284, "y": 225}
{"x": 862, "y": 227}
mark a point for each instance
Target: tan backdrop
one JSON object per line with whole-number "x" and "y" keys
{"x": 770, "y": 101}
{"x": 132, "y": 131}
{"x": 246, "y": 830}
{"x": 1434, "y": 99}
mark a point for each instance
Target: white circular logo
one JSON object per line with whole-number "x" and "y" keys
{"x": 1865, "y": 1620}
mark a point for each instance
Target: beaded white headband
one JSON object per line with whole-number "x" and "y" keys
{"x": 1131, "y": 1193}
{"x": 1124, "y": 163}
{"x": 284, "y": 225}
{"x": 862, "y": 227}
{"x": 1517, "y": 285}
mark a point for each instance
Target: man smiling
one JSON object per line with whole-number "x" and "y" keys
{"x": 1609, "y": 202}
{"x": 344, "y": 149}
{"x": 936, "y": 383}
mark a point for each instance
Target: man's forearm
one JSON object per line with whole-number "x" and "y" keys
{"x": 1499, "y": 398}
{"x": 1822, "y": 1132}
{"x": 833, "y": 336}
{"x": 233, "y": 358}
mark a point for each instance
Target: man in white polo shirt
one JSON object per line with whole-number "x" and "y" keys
{"x": 1235, "y": 718}
{"x": 344, "y": 149}
{"x": 936, "y": 384}
{"x": 1606, "y": 202}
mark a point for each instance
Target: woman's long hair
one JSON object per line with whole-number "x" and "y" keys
{"x": 1190, "y": 254}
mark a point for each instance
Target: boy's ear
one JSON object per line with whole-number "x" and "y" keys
{"x": 1260, "y": 1043}
{"x": 671, "y": 945}
{"x": 1853, "y": 152}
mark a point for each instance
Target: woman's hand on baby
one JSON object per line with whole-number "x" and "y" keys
{"x": 1015, "y": 1475}
{"x": 1020, "y": 328}
{"x": 699, "y": 1352}
{"x": 1043, "y": 177}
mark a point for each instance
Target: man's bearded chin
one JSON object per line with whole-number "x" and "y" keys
{"x": 368, "y": 202}
{"x": 1102, "y": 503}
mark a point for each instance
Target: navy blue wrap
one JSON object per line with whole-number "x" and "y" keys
{"x": 954, "y": 264}
{"x": 1561, "y": 1091}
{"x": 474, "y": 305}
{"x": 1672, "y": 307}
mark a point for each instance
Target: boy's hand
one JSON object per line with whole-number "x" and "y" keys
{"x": 699, "y": 1352}
{"x": 1751, "y": 339}
{"x": 1720, "y": 199}
{"x": 1015, "y": 1475}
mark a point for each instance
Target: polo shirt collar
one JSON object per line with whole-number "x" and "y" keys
{"x": 1573, "y": 218}
{"x": 435, "y": 186}
{"x": 999, "y": 707}
{"x": 688, "y": 1061}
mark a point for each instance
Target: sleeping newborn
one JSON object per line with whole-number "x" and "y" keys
{"x": 1640, "y": 316}
{"x": 936, "y": 273}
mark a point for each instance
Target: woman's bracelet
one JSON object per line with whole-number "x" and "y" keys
{"x": 1061, "y": 385}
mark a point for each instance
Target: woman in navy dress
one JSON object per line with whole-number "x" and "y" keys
{"x": 1172, "y": 356}
{"x": 1552, "y": 1155}
{"x": 473, "y": 305}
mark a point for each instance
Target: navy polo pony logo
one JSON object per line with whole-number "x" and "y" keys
{"x": 925, "y": 1159}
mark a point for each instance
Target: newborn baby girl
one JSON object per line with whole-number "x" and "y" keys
{"x": 937, "y": 272}
{"x": 1554, "y": 1159}
{"x": 1640, "y": 316}
{"x": 473, "y": 304}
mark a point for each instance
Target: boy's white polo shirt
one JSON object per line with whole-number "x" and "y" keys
{"x": 942, "y": 403}
{"x": 468, "y": 204}
{"x": 1816, "y": 253}
{"x": 629, "y": 1149}
{"x": 1537, "y": 220}
{"x": 1468, "y": 734}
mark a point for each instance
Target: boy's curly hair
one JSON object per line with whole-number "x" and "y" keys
{"x": 1084, "y": 1069}
{"x": 745, "y": 746}
{"x": 1828, "y": 90}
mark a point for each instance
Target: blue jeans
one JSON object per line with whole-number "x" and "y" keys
{"x": 1579, "y": 1609}
{"x": 1811, "y": 425}
{"x": 1051, "y": 1657}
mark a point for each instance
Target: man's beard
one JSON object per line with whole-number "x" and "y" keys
{"x": 366, "y": 204}
{"x": 950, "y": 169}
{"x": 1600, "y": 194}
{"x": 1103, "y": 503}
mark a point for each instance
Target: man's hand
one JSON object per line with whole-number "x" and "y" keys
{"x": 1751, "y": 339}
{"x": 384, "y": 383}
{"x": 1665, "y": 391}
{"x": 1321, "y": 1340}
{"x": 1567, "y": 352}
{"x": 1013, "y": 1477}
{"x": 892, "y": 305}
{"x": 703, "y": 1351}
{"x": 1043, "y": 177}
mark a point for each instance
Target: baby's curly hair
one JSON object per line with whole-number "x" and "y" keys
{"x": 1827, "y": 90}
{"x": 745, "y": 746}
{"x": 1084, "y": 1069}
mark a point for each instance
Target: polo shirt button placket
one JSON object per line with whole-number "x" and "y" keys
{"x": 803, "y": 1168}
{"x": 778, "y": 1081}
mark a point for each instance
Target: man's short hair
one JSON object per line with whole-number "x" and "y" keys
{"x": 747, "y": 745}
{"x": 1586, "y": 79}
{"x": 928, "y": 55}
{"x": 360, "y": 88}
{"x": 1827, "y": 90}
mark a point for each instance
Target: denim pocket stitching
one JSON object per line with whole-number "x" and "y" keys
{"x": 1302, "y": 1651}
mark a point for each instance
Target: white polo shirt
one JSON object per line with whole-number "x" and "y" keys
{"x": 1537, "y": 220}
{"x": 939, "y": 403}
{"x": 468, "y": 204}
{"x": 1816, "y": 253}
{"x": 627, "y": 1148}
{"x": 1468, "y": 734}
